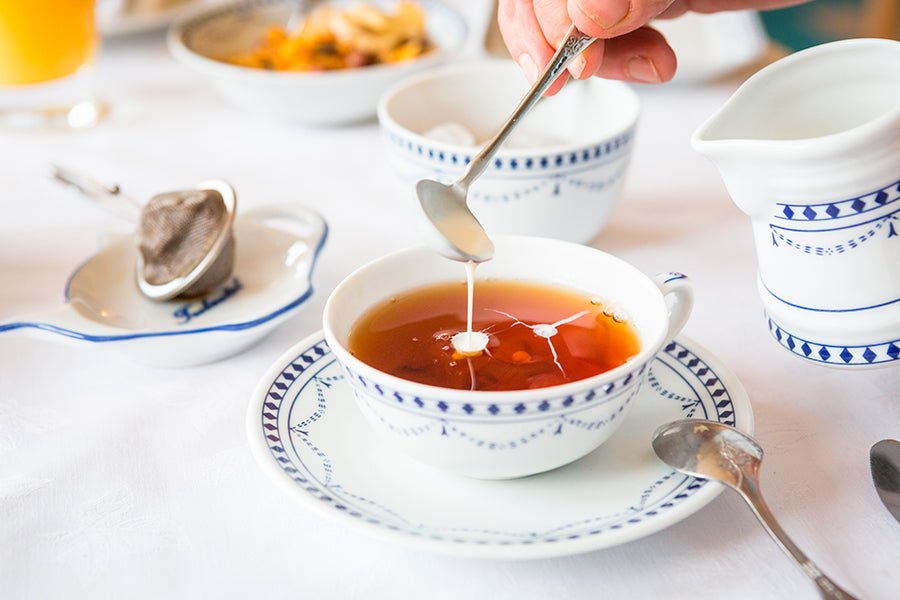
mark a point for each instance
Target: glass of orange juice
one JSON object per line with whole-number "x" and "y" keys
{"x": 47, "y": 48}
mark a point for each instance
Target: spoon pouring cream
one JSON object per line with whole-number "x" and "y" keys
{"x": 711, "y": 450}
{"x": 459, "y": 234}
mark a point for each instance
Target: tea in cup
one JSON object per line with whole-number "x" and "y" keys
{"x": 570, "y": 333}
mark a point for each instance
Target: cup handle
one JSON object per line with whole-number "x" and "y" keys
{"x": 678, "y": 292}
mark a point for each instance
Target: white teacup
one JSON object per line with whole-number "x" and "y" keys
{"x": 496, "y": 435}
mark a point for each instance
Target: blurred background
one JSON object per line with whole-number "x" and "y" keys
{"x": 820, "y": 21}
{"x": 808, "y": 24}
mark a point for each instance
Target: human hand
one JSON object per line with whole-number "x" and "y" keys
{"x": 626, "y": 48}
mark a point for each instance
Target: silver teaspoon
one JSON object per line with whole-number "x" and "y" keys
{"x": 711, "y": 450}
{"x": 460, "y": 235}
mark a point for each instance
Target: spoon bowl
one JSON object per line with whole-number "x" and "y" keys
{"x": 712, "y": 450}
{"x": 708, "y": 451}
{"x": 457, "y": 230}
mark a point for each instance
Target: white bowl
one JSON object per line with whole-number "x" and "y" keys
{"x": 560, "y": 173}
{"x": 504, "y": 434}
{"x": 202, "y": 39}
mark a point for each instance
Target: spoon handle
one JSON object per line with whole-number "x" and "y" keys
{"x": 749, "y": 489}
{"x": 571, "y": 47}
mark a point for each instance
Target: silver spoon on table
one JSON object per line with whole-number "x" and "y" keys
{"x": 711, "y": 450}
{"x": 459, "y": 234}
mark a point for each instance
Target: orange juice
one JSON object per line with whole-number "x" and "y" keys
{"x": 43, "y": 40}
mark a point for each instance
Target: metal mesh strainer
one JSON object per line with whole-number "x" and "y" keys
{"x": 185, "y": 241}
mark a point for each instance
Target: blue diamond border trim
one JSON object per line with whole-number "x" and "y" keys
{"x": 851, "y": 207}
{"x": 540, "y": 408}
{"x": 836, "y": 355}
{"x": 538, "y": 164}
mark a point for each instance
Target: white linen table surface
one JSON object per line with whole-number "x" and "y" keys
{"x": 121, "y": 480}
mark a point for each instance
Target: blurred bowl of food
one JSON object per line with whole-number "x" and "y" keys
{"x": 558, "y": 175}
{"x": 327, "y": 67}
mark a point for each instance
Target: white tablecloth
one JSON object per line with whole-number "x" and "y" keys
{"x": 120, "y": 480}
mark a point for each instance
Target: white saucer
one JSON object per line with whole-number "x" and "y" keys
{"x": 308, "y": 435}
{"x": 275, "y": 250}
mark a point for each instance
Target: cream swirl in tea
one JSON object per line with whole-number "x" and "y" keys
{"x": 517, "y": 335}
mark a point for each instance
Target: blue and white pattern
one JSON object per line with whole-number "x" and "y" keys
{"x": 828, "y": 278}
{"x": 308, "y": 424}
{"x": 515, "y": 178}
{"x": 453, "y": 161}
{"x": 852, "y": 207}
{"x": 837, "y": 227}
{"x": 498, "y": 411}
{"x": 881, "y": 353}
{"x": 507, "y": 437}
{"x": 552, "y": 187}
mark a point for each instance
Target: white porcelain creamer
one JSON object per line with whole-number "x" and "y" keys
{"x": 809, "y": 148}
